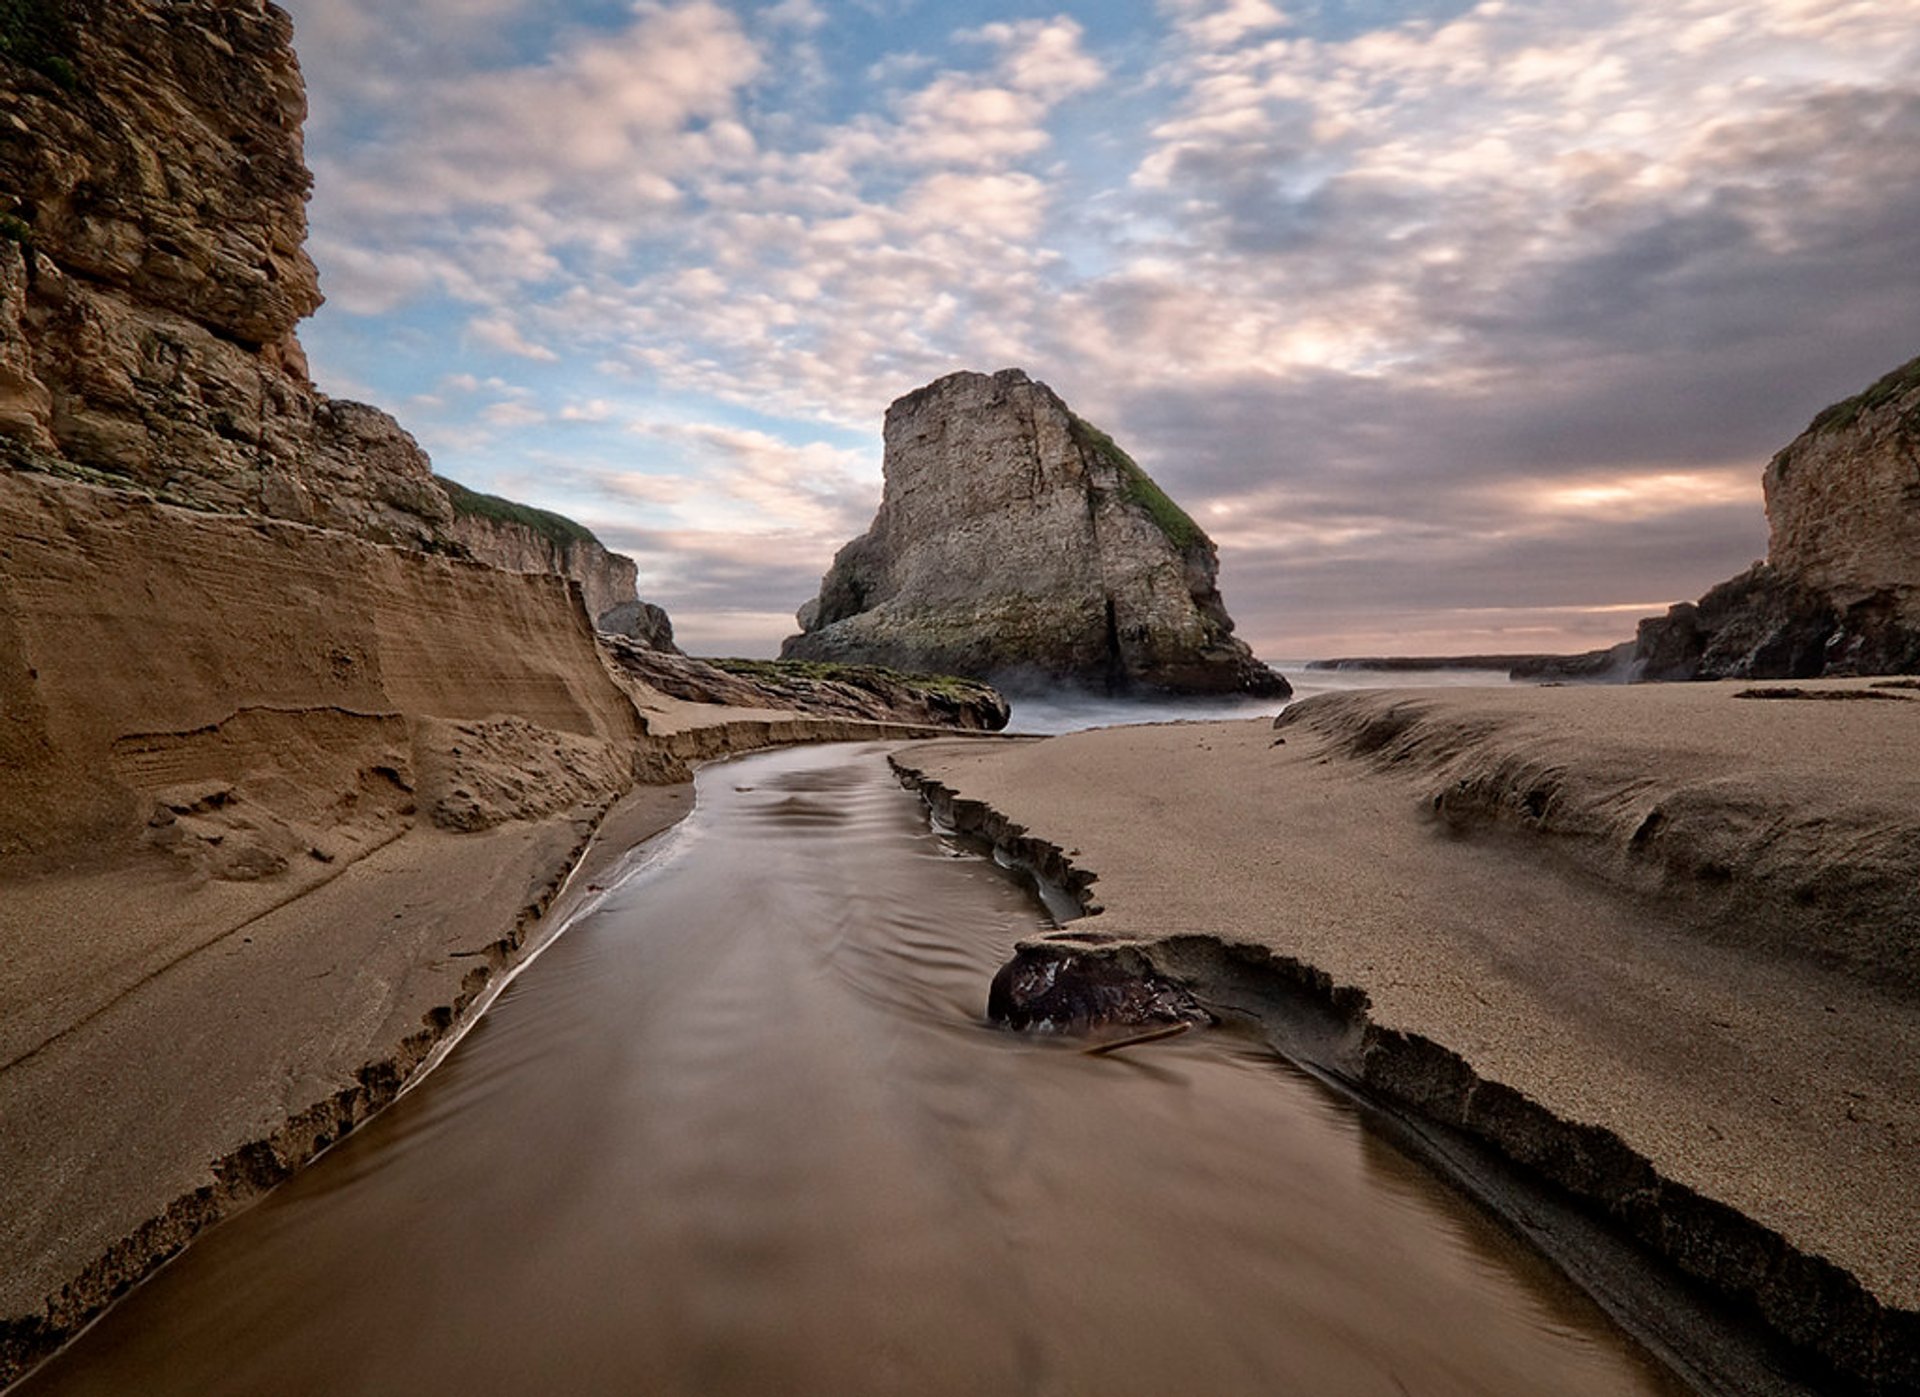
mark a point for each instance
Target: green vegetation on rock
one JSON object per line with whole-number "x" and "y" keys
{"x": 859, "y": 676}
{"x": 38, "y": 35}
{"x": 556, "y": 528}
{"x": 1846, "y": 412}
{"x": 1139, "y": 488}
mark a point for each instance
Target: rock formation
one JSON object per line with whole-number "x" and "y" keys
{"x": 1016, "y": 541}
{"x": 1839, "y": 592}
{"x": 150, "y": 654}
{"x": 153, "y": 270}
{"x": 287, "y": 777}
{"x": 841, "y": 691}
{"x": 519, "y": 538}
{"x": 641, "y": 622}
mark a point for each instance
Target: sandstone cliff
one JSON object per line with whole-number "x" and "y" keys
{"x": 519, "y": 538}
{"x": 238, "y": 694}
{"x": 1839, "y": 592}
{"x": 152, "y": 271}
{"x": 1014, "y": 540}
{"x": 287, "y": 778}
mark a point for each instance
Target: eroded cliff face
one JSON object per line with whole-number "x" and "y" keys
{"x": 152, "y": 271}
{"x": 1839, "y": 592}
{"x": 518, "y": 538}
{"x": 1014, "y": 540}
{"x": 153, "y": 195}
{"x": 1843, "y": 500}
{"x": 238, "y": 695}
{"x": 606, "y": 579}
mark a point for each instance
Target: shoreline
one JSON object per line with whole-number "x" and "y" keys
{"x": 103, "y": 1187}
{"x": 1464, "y": 1022}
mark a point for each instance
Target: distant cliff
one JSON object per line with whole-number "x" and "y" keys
{"x": 519, "y": 538}
{"x": 1015, "y": 540}
{"x": 1839, "y": 592}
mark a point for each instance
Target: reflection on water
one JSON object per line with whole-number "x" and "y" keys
{"x": 1069, "y": 710}
{"x": 742, "y": 1131}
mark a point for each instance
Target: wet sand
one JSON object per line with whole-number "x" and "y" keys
{"x": 1659, "y": 941}
{"x": 742, "y": 1131}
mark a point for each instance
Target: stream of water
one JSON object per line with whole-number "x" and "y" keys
{"x": 741, "y": 1130}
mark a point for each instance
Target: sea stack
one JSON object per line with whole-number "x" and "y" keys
{"x": 1839, "y": 593}
{"x": 1016, "y": 541}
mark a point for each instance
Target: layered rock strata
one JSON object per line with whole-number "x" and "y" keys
{"x": 519, "y": 538}
{"x": 1839, "y": 592}
{"x": 153, "y": 271}
{"x": 845, "y": 691}
{"x": 1015, "y": 541}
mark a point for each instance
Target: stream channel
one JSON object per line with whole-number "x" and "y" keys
{"x": 743, "y": 1130}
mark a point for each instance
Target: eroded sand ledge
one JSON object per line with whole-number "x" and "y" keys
{"x": 1659, "y": 947}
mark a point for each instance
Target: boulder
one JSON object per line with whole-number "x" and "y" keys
{"x": 1017, "y": 542}
{"x": 640, "y": 621}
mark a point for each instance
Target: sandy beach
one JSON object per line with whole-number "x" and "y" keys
{"x": 1658, "y": 945}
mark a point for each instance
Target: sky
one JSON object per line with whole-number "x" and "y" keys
{"x": 1459, "y": 327}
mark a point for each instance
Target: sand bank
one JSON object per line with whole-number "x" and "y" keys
{"x": 172, "y": 1046}
{"x": 1657, "y": 945}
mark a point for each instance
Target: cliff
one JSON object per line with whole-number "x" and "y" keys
{"x": 1015, "y": 540}
{"x": 288, "y": 780}
{"x": 1839, "y": 592}
{"x": 519, "y": 538}
{"x": 274, "y": 680}
{"x": 152, "y": 271}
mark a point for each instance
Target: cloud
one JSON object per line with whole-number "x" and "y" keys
{"x": 513, "y": 414}
{"x": 811, "y": 488}
{"x": 1499, "y": 311}
{"x": 604, "y": 127}
{"x": 1221, "y": 24}
{"x": 1045, "y": 57}
{"x": 498, "y": 332}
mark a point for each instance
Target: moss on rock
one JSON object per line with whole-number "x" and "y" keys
{"x": 472, "y": 504}
{"x": 1846, "y": 412}
{"x": 1139, "y": 487}
{"x": 38, "y": 34}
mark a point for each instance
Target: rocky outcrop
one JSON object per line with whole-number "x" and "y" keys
{"x": 1843, "y": 501}
{"x": 1017, "y": 542}
{"x": 866, "y": 692}
{"x": 641, "y": 622}
{"x": 519, "y": 538}
{"x": 1839, "y": 592}
{"x": 1049, "y": 987}
{"x": 152, "y": 270}
{"x": 153, "y": 193}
